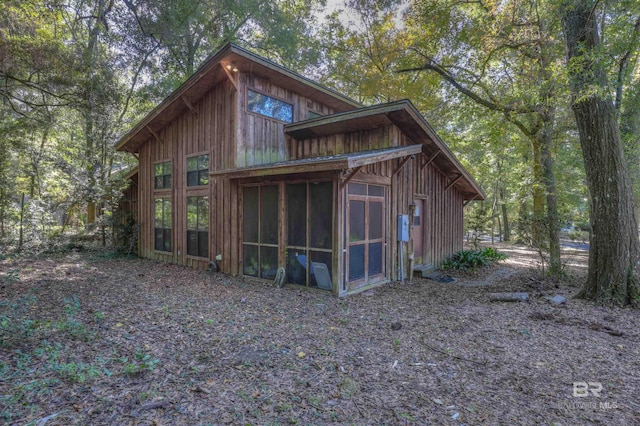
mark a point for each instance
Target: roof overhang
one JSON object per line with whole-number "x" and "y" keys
{"x": 408, "y": 119}
{"x": 212, "y": 72}
{"x": 320, "y": 164}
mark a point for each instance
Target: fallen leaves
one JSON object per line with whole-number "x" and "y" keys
{"x": 238, "y": 351}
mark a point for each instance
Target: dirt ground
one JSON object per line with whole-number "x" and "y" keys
{"x": 95, "y": 340}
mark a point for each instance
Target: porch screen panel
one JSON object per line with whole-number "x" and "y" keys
{"x": 375, "y": 259}
{"x": 376, "y": 226}
{"x": 268, "y": 262}
{"x": 260, "y": 231}
{"x": 269, "y": 215}
{"x": 297, "y": 266}
{"x": 356, "y": 262}
{"x": 317, "y": 258}
{"x": 357, "y": 220}
{"x": 320, "y": 218}
{"x": 310, "y": 233}
{"x": 297, "y": 215}
{"x": 250, "y": 260}
{"x": 250, "y": 214}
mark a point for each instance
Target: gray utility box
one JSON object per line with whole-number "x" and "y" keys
{"x": 403, "y": 227}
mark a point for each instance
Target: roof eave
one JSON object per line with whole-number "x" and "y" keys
{"x": 207, "y": 67}
{"x": 304, "y": 130}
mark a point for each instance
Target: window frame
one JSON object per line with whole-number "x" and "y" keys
{"x": 276, "y": 98}
{"x": 164, "y": 175}
{"x": 165, "y": 231}
{"x": 198, "y": 229}
{"x": 200, "y": 172}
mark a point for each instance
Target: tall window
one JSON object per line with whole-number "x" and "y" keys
{"x": 270, "y": 107}
{"x": 198, "y": 226}
{"x": 198, "y": 170}
{"x": 162, "y": 174}
{"x": 310, "y": 234}
{"x": 260, "y": 231}
{"x": 162, "y": 217}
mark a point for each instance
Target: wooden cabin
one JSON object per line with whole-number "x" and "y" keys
{"x": 254, "y": 167}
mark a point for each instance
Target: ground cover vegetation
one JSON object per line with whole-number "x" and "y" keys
{"x": 87, "y": 337}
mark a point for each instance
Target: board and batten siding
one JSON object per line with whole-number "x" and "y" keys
{"x": 261, "y": 140}
{"x": 342, "y": 143}
{"x": 443, "y": 210}
{"x": 209, "y": 129}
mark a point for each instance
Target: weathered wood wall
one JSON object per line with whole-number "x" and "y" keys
{"x": 211, "y": 129}
{"x": 261, "y": 140}
{"x": 342, "y": 143}
{"x": 233, "y": 137}
{"x": 443, "y": 213}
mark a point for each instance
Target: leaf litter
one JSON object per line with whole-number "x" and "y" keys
{"x": 134, "y": 342}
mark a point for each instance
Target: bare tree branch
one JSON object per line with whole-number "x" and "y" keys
{"x": 431, "y": 65}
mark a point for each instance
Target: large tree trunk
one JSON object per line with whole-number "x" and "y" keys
{"x": 505, "y": 221}
{"x": 614, "y": 246}
{"x": 553, "y": 226}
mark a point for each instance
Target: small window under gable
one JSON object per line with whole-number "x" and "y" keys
{"x": 269, "y": 107}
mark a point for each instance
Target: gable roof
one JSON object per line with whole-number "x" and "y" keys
{"x": 211, "y": 73}
{"x": 408, "y": 119}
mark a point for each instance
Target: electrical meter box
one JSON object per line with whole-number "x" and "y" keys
{"x": 403, "y": 227}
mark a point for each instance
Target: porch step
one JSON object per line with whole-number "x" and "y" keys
{"x": 427, "y": 271}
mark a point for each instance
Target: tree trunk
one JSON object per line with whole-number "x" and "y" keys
{"x": 553, "y": 226}
{"x": 505, "y": 223}
{"x": 614, "y": 251}
{"x": 538, "y": 188}
{"x": 21, "y": 234}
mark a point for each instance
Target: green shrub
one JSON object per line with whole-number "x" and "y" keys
{"x": 472, "y": 259}
{"x": 492, "y": 254}
{"x": 140, "y": 363}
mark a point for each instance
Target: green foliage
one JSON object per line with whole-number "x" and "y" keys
{"x": 140, "y": 363}
{"x": 16, "y": 322}
{"x": 473, "y": 259}
{"x": 12, "y": 276}
{"x": 77, "y": 372}
{"x": 492, "y": 254}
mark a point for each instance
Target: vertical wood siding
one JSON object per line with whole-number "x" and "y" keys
{"x": 234, "y": 138}
{"x": 211, "y": 130}
{"x": 261, "y": 139}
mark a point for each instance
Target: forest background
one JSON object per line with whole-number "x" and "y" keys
{"x": 525, "y": 92}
